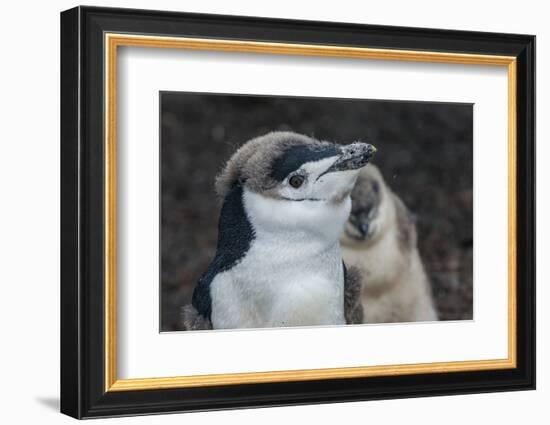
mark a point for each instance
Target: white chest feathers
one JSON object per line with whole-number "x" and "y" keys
{"x": 292, "y": 275}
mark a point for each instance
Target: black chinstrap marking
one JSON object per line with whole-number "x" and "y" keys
{"x": 303, "y": 199}
{"x": 235, "y": 235}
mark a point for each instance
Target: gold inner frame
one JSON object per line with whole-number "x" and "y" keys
{"x": 113, "y": 41}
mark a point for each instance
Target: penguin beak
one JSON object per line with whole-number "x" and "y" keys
{"x": 361, "y": 223}
{"x": 353, "y": 157}
{"x": 364, "y": 228}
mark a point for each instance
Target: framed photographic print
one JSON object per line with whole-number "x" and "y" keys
{"x": 261, "y": 212}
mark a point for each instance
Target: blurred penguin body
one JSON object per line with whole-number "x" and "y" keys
{"x": 380, "y": 240}
{"x": 278, "y": 262}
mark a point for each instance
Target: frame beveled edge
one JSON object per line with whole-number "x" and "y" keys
{"x": 114, "y": 40}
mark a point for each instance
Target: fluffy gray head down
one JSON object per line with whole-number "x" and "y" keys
{"x": 369, "y": 192}
{"x": 251, "y": 163}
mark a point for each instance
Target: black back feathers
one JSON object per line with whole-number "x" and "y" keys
{"x": 235, "y": 235}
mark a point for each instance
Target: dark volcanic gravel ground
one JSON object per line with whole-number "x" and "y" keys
{"x": 424, "y": 151}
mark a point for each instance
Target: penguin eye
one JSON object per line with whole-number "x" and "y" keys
{"x": 296, "y": 181}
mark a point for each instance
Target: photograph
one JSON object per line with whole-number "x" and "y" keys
{"x": 284, "y": 211}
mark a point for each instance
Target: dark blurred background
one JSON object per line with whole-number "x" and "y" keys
{"x": 425, "y": 153}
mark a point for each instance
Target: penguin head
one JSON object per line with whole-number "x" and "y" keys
{"x": 370, "y": 209}
{"x": 292, "y": 167}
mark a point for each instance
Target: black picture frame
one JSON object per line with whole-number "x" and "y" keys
{"x": 83, "y": 392}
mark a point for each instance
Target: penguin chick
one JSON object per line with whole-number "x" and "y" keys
{"x": 278, "y": 261}
{"x": 380, "y": 239}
